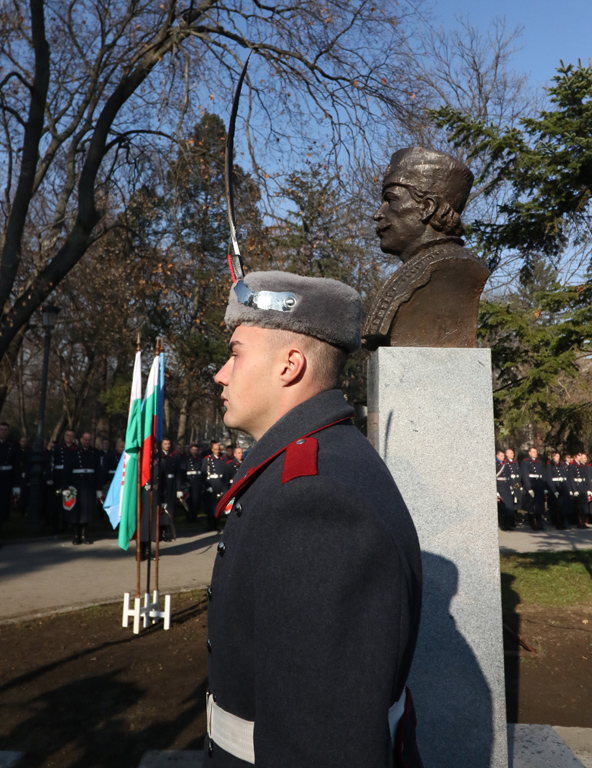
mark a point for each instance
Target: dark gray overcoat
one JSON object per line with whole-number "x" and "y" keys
{"x": 315, "y": 596}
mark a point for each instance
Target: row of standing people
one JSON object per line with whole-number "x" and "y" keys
{"x": 77, "y": 477}
{"x": 559, "y": 489}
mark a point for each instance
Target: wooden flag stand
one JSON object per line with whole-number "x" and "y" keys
{"x": 149, "y": 612}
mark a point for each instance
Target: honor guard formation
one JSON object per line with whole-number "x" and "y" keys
{"x": 77, "y": 477}
{"x": 556, "y": 490}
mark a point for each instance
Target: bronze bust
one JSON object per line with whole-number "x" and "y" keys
{"x": 432, "y": 300}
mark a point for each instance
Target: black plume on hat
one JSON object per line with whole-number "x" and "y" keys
{"x": 325, "y": 309}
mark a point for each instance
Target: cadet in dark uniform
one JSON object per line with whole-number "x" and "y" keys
{"x": 578, "y": 486}
{"x": 559, "y": 499}
{"x": 505, "y": 496}
{"x": 533, "y": 482}
{"x": 215, "y": 478}
{"x": 56, "y": 479}
{"x": 514, "y": 475}
{"x": 83, "y": 472}
{"x": 10, "y": 472}
{"x": 234, "y": 463}
{"x": 316, "y": 590}
{"x": 192, "y": 472}
{"x": 169, "y": 487}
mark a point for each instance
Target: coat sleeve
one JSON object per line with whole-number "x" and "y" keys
{"x": 332, "y": 620}
{"x": 526, "y": 484}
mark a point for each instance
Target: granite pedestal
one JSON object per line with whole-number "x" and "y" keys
{"x": 430, "y": 416}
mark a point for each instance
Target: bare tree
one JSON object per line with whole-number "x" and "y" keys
{"x": 103, "y": 78}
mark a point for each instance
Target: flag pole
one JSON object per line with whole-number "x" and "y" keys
{"x": 138, "y": 487}
{"x": 150, "y": 513}
{"x": 157, "y": 550}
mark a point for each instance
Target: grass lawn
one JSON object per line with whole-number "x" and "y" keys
{"x": 558, "y": 579}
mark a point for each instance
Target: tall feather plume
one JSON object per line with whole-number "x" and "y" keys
{"x": 235, "y": 261}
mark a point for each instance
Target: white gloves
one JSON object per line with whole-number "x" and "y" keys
{"x": 531, "y": 493}
{"x": 179, "y": 494}
{"x": 556, "y": 494}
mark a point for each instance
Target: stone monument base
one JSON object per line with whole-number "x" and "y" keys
{"x": 430, "y": 416}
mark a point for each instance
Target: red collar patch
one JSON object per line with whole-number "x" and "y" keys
{"x": 300, "y": 459}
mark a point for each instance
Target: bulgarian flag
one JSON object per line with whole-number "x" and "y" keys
{"x": 122, "y": 499}
{"x": 149, "y": 412}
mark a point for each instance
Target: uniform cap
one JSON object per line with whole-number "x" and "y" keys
{"x": 431, "y": 171}
{"x": 316, "y": 306}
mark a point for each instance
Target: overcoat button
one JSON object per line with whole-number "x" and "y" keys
{"x": 238, "y": 509}
{"x": 209, "y": 645}
{"x": 221, "y": 548}
{"x": 299, "y": 442}
{"x": 209, "y": 593}
{"x": 210, "y": 748}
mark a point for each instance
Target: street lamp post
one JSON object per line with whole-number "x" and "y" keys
{"x": 49, "y": 316}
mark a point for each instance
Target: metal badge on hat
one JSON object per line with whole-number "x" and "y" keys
{"x": 280, "y": 301}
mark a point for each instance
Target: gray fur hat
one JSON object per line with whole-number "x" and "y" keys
{"x": 326, "y": 309}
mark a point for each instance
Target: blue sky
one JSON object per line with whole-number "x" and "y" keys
{"x": 553, "y": 30}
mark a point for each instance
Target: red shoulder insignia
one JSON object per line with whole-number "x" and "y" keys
{"x": 300, "y": 459}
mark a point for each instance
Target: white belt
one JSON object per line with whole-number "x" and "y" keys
{"x": 557, "y": 479}
{"x": 235, "y": 735}
{"x": 59, "y": 466}
{"x": 170, "y": 477}
{"x": 83, "y": 471}
{"x": 6, "y": 468}
{"x": 192, "y": 472}
{"x": 578, "y": 479}
{"x": 230, "y": 732}
{"x": 535, "y": 475}
{"x": 213, "y": 477}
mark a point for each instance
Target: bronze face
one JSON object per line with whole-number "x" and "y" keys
{"x": 399, "y": 221}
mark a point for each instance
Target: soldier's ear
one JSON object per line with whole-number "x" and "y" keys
{"x": 294, "y": 365}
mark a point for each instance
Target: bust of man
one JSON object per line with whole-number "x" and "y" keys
{"x": 432, "y": 300}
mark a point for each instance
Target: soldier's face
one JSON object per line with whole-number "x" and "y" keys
{"x": 215, "y": 449}
{"x": 249, "y": 379}
{"x": 166, "y": 444}
{"x": 85, "y": 440}
{"x": 3, "y": 431}
{"x": 510, "y": 454}
{"x": 533, "y": 453}
{"x": 68, "y": 437}
{"x": 194, "y": 450}
{"x": 398, "y": 220}
{"x": 238, "y": 454}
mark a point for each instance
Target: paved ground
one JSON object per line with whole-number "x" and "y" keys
{"x": 49, "y": 575}
{"x": 526, "y": 540}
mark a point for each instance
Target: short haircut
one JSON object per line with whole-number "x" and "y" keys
{"x": 326, "y": 360}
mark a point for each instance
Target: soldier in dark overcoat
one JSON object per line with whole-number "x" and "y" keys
{"x": 56, "y": 478}
{"x": 215, "y": 478}
{"x": 10, "y": 472}
{"x": 514, "y": 475}
{"x": 533, "y": 481}
{"x": 505, "y": 496}
{"x": 169, "y": 488}
{"x": 578, "y": 486}
{"x": 316, "y": 590}
{"x": 192, "y": 477}
{"x": 83, "y": 472}
{"x": 559, "y": 498}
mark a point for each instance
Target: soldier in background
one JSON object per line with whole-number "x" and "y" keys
{"x": 559, "y": 499}
{"x": 169, "y": 488}
{"x": 215, "y": 478}
{"x": 10, "y": 472}
{"x": 578, "y": 486}
{"x": 514, "y": 474}
{"x": 533, "y": 482}
{"x": 191, "y": 471}
{"x": 56, "y": 479}
{"x": 505, "y": 498}
{"x": 234, "y": 463}
{"x": 83, "y": 472}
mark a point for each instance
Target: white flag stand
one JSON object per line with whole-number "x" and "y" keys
{"x": 149, "y": 612}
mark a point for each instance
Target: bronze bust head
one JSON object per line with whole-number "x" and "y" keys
{"x": 432, "y": 300}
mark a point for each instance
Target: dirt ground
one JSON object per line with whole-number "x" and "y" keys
{"x": 551, "y": 686}
{"x": 78, "y": 690}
